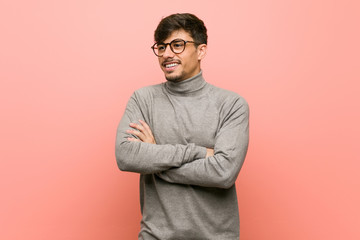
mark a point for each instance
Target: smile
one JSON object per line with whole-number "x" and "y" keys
{"x": 171, "y": 65}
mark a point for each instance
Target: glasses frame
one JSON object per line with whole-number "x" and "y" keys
{"x": 166, "y": 44}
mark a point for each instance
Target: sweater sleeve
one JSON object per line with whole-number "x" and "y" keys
{"x": 148, "y": 158}
{"x": 222, "y": 169}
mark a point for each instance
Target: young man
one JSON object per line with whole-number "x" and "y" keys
{"x": 188, "y": 140}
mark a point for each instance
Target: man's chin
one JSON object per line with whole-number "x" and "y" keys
{"x": 174, "y": 78}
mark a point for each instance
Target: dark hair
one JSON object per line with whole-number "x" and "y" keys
{"x": 187, "y": 21}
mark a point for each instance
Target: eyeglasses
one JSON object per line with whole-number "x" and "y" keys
{"x": 177, "y": 46}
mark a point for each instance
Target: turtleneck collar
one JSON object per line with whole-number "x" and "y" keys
{"x": 191, "y": 85}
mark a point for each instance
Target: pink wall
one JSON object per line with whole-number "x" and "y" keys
{"x": 67, "y": 69}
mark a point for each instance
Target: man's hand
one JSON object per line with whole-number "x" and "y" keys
{"x": 209, "y": 152}
{"x": 144, "y": 133}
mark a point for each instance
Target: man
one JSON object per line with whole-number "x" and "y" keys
{"x": 188, "y": 140}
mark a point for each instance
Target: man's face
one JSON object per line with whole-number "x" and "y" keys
{"x": 181, "y": 66}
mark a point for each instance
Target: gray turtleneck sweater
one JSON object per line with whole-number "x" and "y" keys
{"x": 183, "y": 194}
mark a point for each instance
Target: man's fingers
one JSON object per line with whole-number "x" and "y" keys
{"x": 136, "y": 133}
{"x": 137, "y": 126}
{"x": 148, "y": 129}
{"x": 133, "y": 139}
{"x": 142, "y": 131}
{"x": 145, "y": 126}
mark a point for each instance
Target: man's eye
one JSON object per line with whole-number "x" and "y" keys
{"x": 161, "y": 47}
{"x": 178, "y": 45}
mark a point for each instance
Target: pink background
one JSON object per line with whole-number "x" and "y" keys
{"x": 67, "y": 69}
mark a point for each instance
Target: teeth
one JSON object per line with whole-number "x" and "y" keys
{"x": 171, "y": 65}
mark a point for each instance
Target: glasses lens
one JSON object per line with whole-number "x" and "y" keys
{"x": 178, "y": 46}
{"x": 159, "y": 49}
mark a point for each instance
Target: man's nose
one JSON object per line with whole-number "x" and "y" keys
{"x": 168, "y": 53}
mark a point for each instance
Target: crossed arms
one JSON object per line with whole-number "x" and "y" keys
{"x": 137, "y": 151}
{"x": 144, "y": 134}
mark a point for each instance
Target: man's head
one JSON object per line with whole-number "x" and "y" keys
{"x": 180, "y": 43}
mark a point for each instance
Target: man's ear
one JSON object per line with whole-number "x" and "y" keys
{"x": 202, "y": 48}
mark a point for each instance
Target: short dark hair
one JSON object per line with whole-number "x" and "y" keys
{"x": 187, "y": 21}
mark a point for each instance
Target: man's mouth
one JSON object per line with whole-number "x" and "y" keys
{"x": 170, "y": 65}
